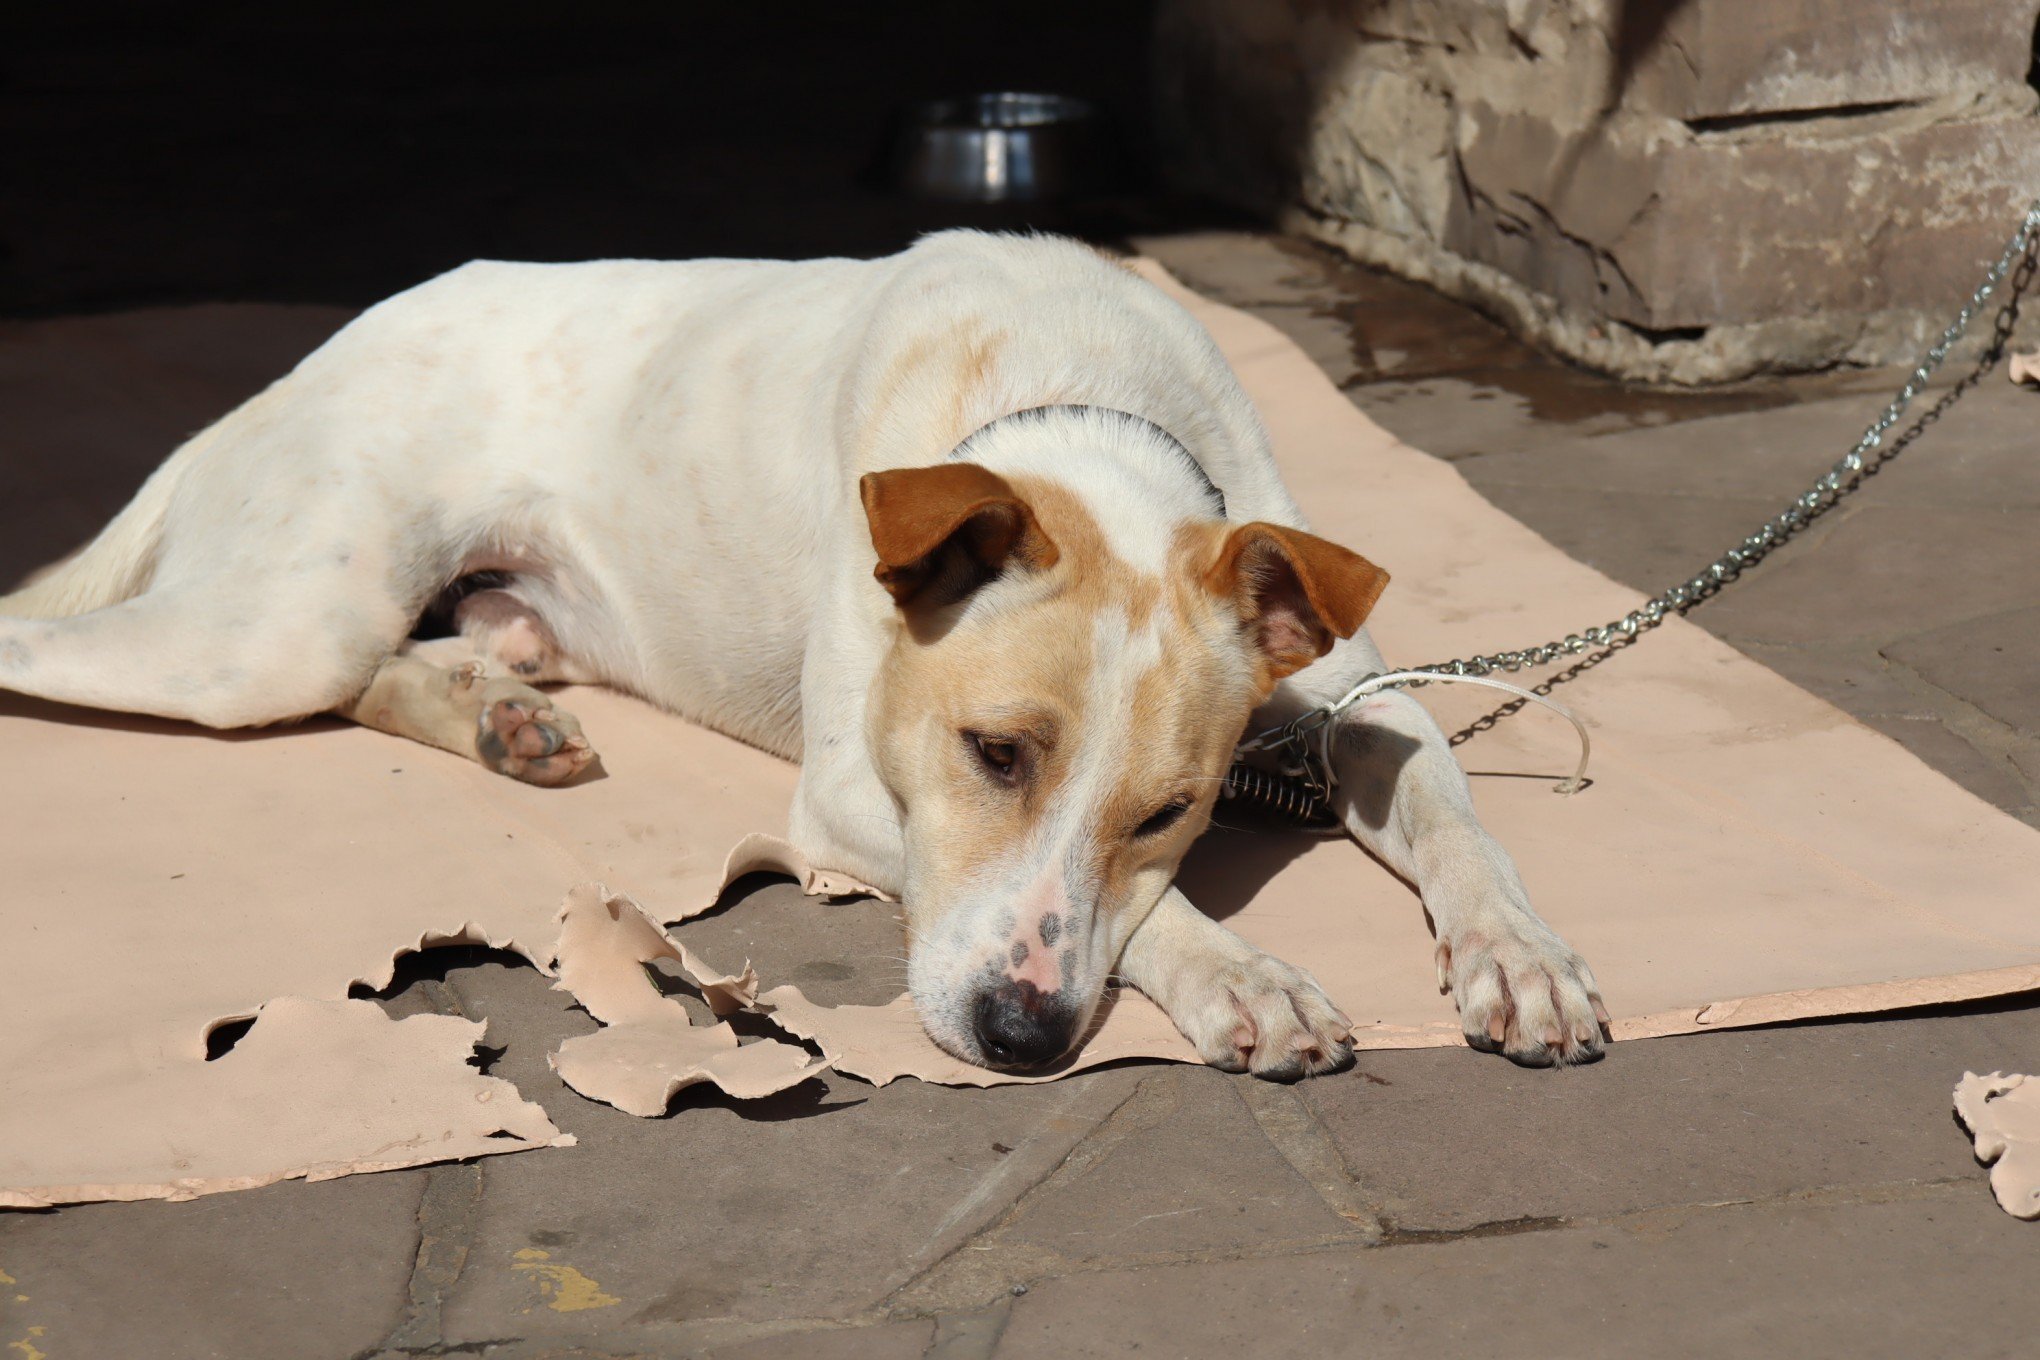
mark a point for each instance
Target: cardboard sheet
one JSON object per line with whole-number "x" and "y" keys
{"x": 2003, "y": 1114}
{"x": 1745, "y": 854}
{"x": 317, "y": 1089}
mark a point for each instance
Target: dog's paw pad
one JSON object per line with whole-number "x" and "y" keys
{"x": 523, "y": 736}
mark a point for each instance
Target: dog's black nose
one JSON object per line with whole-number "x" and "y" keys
{"x": 1018, "y": 1026}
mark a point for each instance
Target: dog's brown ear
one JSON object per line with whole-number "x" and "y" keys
{"x": 1296, "y": 591}
{"x": 943, "y": 531}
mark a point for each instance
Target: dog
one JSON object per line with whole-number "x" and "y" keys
{"x": 984, "y": 534}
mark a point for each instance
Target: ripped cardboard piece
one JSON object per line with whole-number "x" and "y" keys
{"x": 649, "y": 1049}
{"x": 2002, "y": 1113}
{"x": 316, "y": 1089}
{"x": 762, "y": 853}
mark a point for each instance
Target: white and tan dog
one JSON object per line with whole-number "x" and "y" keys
{"x": 677, "y": 479}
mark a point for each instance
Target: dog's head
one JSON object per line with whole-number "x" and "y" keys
{"x": 1054, "y": 717}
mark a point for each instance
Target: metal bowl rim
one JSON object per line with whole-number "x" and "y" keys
{"x": 958, "y": 113}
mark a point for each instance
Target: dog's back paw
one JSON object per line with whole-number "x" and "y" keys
{"x": 523, "y": 735}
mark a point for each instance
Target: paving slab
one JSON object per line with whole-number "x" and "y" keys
{"x": 1933, "y": 1272}
{"x": 884, "y": 1341}
{"x": 810, "y": 1205}
{"x": 1195, "y": 1174}
{"x": 1887, "y": 571}
{"x": 1989, "y": 661}
{"x": 1648, "y": 539}
{"x": 284, "y": 1271}
{"x": 1853, "y": 676}
{"x": 1447, "y": 1140}
{"x": 1974, "y": 458}
{"x": 1198, "y": 1164}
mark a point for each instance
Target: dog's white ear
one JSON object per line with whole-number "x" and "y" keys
{"x": 943, "y": 531}
{"x": 1295, "y": 591}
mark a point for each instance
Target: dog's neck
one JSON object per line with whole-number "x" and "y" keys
{"x": 1123, "y": 464}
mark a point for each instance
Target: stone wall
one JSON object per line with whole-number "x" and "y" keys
{"x": 1673, "y": 190}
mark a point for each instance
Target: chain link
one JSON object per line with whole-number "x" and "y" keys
{"x": 2020, "y": 259}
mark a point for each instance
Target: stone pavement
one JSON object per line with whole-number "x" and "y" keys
{"x": 1800, "y": 1190}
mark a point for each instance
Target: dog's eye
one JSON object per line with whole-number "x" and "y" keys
{"x": 1161, "y": 819}
{"x": 999, "y": 756}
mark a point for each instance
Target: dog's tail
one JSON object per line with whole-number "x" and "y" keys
{"x": 115, "y": 566}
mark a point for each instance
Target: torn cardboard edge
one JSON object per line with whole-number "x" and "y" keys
{"x": 763, "y": 853}
{"x": 404, "y": 1074}
{"x": 1866, "y": 998}
{"x": 881, "y": 1044}
{"x": 649, "y": 1049}
{"x": 393, "y": 1069}
{"x": 2002, "y": 1113}
{"x": 468, "y": 933}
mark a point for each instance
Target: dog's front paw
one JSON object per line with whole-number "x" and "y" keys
{"x": 1257, "y": 1014}
{"x": 1523, "y": 992}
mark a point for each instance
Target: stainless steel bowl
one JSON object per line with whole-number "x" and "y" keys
{"x": 1006, "y": 147}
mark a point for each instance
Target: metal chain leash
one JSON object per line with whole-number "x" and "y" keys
{"x": 1305, "y": 766}
{"x": 2020, "y": 259}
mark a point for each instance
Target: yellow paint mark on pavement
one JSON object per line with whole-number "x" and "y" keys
{"x": 25, "y": 1347}
{"x": 564, "y": 1289}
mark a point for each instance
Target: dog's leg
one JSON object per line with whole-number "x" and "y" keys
{"x": 1520, "y": 989}
{"x": 236, "y": 659}
{"x": 207, "y": 652}
{"x": 502, "y": 722}
{"x": 1246, "y": 1011}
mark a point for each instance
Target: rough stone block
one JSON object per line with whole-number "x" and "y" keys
{"x": 812, "y": 1204}
{"x": 1991, "y": 661}
{"x": 1449, "y": 1141}
{"x": 1815, "y": 222}
{"x": 1940, "y": 1273}
{"x": 1719, "y": 58}
{"x": 292, "y": 1269}
{"x": 1196, "y": 1175}
{"x": 1684, "y": 192}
